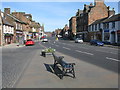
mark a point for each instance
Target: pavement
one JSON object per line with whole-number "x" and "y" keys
{"x": 40, "y": 74}
{"x": 13, "y": 45}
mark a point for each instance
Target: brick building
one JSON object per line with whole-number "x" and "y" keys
{"x": 27, "y": 18}
{"x": 18, "y": 25}
{"x": 90, "y": 14}
{"x": 72, "y": 27}
{"x": 65, "y": 31}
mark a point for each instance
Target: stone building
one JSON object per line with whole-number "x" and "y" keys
{"x": 90, "y": 14}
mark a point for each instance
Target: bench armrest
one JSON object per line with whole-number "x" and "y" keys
{"x": 61, "y": 57}
{"x": 71, "y": 63}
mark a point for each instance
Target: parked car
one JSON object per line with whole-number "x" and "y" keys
{"x": 44, "y": 40}
{"x": 78, "y": 40}
{"x": 29, "y": 42}
{"x": 96, "y": 42}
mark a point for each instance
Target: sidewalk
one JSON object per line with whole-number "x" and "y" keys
{"x": 13, "y": 45}
{"x": 39, "y": 74}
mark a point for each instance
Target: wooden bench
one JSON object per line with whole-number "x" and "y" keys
{"x": 66, "y": 67}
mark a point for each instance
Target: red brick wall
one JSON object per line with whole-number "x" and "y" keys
{"x": 99, "y": 11}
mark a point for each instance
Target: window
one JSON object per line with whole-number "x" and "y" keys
{"x": 107, "y": 25}
{"x": 99, "y": 25}
{"x": 113, "y": 24}
{"x": 95, "y": 26}
{"x": 92, "y": 27}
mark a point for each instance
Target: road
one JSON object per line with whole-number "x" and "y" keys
{"x": 14, "y": 62}
{"x": 104, "y": 57}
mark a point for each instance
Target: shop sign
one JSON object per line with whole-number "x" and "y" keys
{"x": 107, "y": 30}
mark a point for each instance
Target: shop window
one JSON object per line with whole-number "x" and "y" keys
{"x": 106, "y": 36}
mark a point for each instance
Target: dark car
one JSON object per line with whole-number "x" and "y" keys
{"x": 96, "y": 42}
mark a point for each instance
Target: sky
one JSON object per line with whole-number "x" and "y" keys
{"x": 53, "y": 15}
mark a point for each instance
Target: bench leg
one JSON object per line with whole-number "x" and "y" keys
{"x": 63, "y": 73}
{"x": 73, "y": 72}
{"x": 43, "y": 54}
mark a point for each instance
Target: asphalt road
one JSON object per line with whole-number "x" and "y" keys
{"x": 104, "y": 57}
{"x": 14, "y": 62}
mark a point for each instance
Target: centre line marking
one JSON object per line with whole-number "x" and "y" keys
{"x": 84, "y": 52}
{"x": 113, "y": 59}
{"x": 67, "y": 48}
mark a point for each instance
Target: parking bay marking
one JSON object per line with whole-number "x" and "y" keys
{"x": 113, "y": 59}
{"x": 84, "y": 52}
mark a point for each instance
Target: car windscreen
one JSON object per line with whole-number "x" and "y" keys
{"x": 29, "y": 40}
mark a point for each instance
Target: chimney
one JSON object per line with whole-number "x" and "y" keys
{"x": 7, "y": 10}
{"x": 111, "y": 12}
{"x": 99, "y": 2}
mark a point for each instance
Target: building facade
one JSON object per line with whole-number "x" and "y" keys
{"x": 90, "y": 14}
{"x": 106, "y": 29}
{"x": 72, "y": 27}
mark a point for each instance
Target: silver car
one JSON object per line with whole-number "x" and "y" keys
{"x": 78, "y": 40}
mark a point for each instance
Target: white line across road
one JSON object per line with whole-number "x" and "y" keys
{"x": 113, "y": 59}
{"x": 67, "y": 48}
{"x": 84, "y": 52}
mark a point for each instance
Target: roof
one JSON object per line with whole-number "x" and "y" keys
{"x": 99, "y": 20}
{"x": 113, "y": 18}
{"x": 16, "y": 19}
{"x": 5, "y": 22}
{"x": 108, "y": 19}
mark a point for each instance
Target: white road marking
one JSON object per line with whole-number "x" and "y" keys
{"x": 84, "y": 52}
{"x": 57, "y": 45}
{"x": 67, "y": 48}
{"x": 113, "y": 59}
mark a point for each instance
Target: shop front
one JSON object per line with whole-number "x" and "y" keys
{"x": 8, "y": 38}
{"x": 19, "y": 36}
{"x": 106, "y": 36}
{"x": 118, "y": 36}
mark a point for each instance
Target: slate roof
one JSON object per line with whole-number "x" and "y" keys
{"x": 99, "y": 20}
{"x": 16, "y": 19}
{"x": 108, "y": 19}
{"x": 113, "y": 18}
{"x": 5, "y": 22}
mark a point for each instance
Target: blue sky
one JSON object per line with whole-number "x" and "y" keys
{"x": 52, "y": 14}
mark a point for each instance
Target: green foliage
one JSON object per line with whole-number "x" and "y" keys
{"x": 49, "y": 50}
